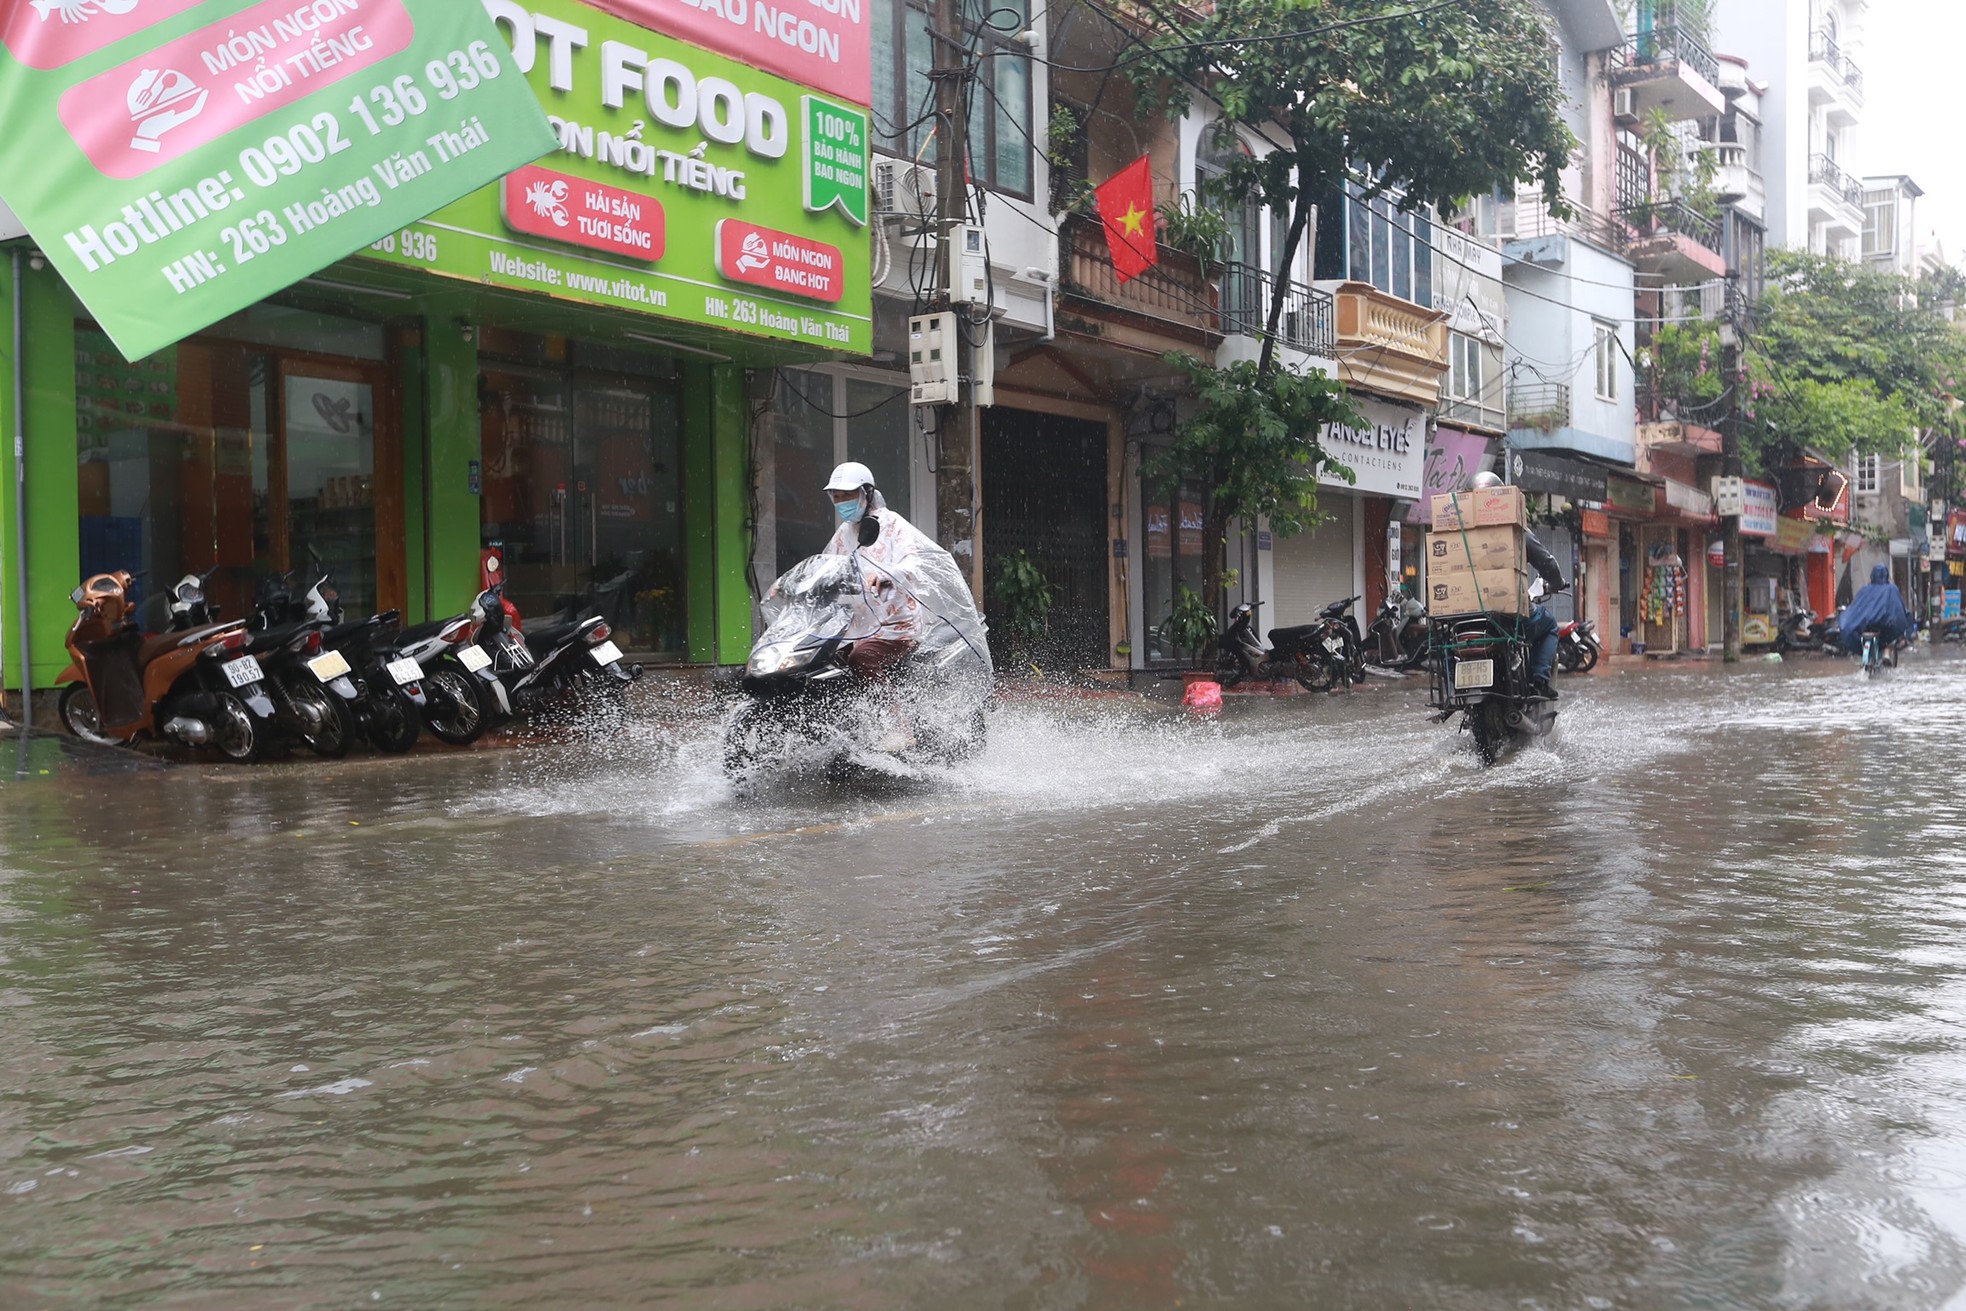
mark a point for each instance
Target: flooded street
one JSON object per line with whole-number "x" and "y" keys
{"x": 1299, "y": 1008}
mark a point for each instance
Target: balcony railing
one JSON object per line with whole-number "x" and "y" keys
{"x": 1528, "y": 219}
{"x": 1172, "y": 292}
{"x": 1308, "y": 322}
{"x": 1823, "y": 171}
{"x": 1542, "y": 405}
{"x": 1657, "y": 217}
{"x": 1666, "y": 44}
{"x": 1824, "y": 50}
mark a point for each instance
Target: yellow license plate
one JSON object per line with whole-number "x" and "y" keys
{"x": 1473, "y": 673}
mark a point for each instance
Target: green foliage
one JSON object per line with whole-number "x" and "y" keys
{"x": 1845, "y": 358}
{"x": 1251, "y": 445}
{"x": 1020, "y": 600}
{"x": 1683, "y": 366}
{"x": 1191, "y": 226}
{"x": 1191, "y": 627}
{"x": 1688, "y": 177}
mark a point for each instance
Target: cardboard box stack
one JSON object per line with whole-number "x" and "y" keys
{"x": 1477, "y": 554}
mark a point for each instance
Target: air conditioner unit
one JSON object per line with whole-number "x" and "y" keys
{"x": 1624, "y": 107}
{"x": 903, "y": 188}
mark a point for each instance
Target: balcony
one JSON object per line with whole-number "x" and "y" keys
{"x": 1670, "y": 69}
{"x": 1309, "y": 318}
{"x": 1675, "y": 241}
{"x": 1835, "y": 82}
{"x": 1737, "y": 181}
{"x": 1171, "y": 306}
{"x": 1836, "y": 200}
{"x": 1542, "y": 406}
{"x": 1387, "y": 345}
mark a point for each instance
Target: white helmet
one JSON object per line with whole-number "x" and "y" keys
{"x": 850, "y": 477}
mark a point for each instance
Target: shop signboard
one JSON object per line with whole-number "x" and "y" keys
{"x": 1952, "y": 603}
{"x": 1956, "y": 532}
{"x": 686, "y": 185}
{"x": 1630, "y": 496}
{"x": 1453, "y": 457}
{"x": 1540, "y": 471}
{"x": 179, "y": 160}
{"x": 824, "y": 44}
{"x": 1387, "y": 456}
{"x": 1760, "y": 510}
{"x": 1792, "y": 534}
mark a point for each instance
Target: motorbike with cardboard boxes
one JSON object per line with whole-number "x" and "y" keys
{"x": 1477, "y": 592}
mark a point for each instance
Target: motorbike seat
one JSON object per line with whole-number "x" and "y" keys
{"x": 420, "y": 632}
{"x": 157, "y": 645}
{"x": 543, "y": 638}
{"x": 1298, "y": 633}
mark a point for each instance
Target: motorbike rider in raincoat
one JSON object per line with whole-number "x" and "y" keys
{"x": 903, "y": 572}
{"x": 1879, "y": 606}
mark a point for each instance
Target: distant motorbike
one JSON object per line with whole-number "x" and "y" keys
{"x": 1797, "y": 631}
{"x": 1577, "y": 646}
{"x": 1400, "y": 636}
{"x": 1481, "y": 672}
{"x": 1295, "y": 653}
{"x": 803, "y": 705}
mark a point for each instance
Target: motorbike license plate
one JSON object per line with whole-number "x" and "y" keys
{"x": 328, "y": 667}
{"x": 606, "y": 653}
{"x": 474, "y": 658}
{"x": 243, "y": 672}
{"x": 1473, "y": 673}
{"x": 405, "y": 671}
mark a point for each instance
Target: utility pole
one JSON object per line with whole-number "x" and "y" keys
{"x": 955, "y": 424}
{"x": 1731, "y": 467}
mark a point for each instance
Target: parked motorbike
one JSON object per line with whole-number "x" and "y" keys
{"x": 389, "y": 697}
{"x": 312, "y": 688}
{"x": 571, "y": 667}
{"x": 802, "y": 703}
{"x": 200, "y": 686}
{"x": 1400, "y": 635}
{"x": 462, "y": 695}
{"x": 1797, "y": 631}
{"x": 1298, "y": 653}
{"x": 1577, "y": 646}
{"x": 1481, "y": 672}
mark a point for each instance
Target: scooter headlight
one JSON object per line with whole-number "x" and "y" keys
{"x": 777, "y": 658}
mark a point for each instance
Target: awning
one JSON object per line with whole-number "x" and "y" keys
{"x": 1689, "y": 503}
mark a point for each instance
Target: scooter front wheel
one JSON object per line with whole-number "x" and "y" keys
{"x": 80, "y": 715}
{"x": 1312, "y": 673}
{"x": 235, "y": 732}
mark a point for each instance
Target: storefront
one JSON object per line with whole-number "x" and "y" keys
{"x": 1555, "y": 485}
{"x": 552, "y": 366}
{"x": 1628, "y": 503}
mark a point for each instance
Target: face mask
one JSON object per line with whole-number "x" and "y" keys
{"x": 850, "y": 511}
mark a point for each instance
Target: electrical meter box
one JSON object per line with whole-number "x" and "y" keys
{"x": 972, "y": 267}
{"x": 933, "y": 368}
{"x": 1729, "y": 496}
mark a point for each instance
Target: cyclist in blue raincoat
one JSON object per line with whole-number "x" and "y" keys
{"x": 1878, "y": 606}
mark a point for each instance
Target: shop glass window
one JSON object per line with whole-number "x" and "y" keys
{"x": 1171, "y": 538}
{"x": 245, "y": 452}
{"x": 1000, "y": 132}
{"x": 582, "y": 484}
{"x": 1606, "y": 356}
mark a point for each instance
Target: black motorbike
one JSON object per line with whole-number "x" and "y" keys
{"x": 568, "y": 669}
{"x": 1297, "y": 653}
{"x": 1481, "y": 672}
{"x": 1401, "y": 636}
{"x": 1797, "y": 631}
{"x": 803, "y": 706}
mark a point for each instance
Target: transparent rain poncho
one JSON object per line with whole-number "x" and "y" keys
{"x": 903, "y": 587}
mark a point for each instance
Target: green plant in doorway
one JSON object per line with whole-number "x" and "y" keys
{"x": 1191, "y": 627}
{"x": 1020, "y": 605}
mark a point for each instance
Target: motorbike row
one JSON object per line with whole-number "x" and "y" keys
{"x": 294, "y": 672}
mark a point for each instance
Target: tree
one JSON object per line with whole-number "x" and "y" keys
{"x": 1845, "y": 358}
{"x": 1436, "y": 106}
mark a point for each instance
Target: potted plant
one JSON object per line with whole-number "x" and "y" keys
{"x": 1020, "y": 606}
{"x": 1191, "y": 626}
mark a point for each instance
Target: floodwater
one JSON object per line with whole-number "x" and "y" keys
{"x": 1299, "y": 1008}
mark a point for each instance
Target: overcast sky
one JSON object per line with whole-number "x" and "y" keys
{"x": 1913, "y": 120}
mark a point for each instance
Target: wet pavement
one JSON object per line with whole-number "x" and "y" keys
{"x": 1297, "y": 1008}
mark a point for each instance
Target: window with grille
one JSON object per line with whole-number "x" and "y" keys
{"x": 1867, "y": 474}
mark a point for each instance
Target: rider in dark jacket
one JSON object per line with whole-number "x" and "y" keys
{"x": 1879, "y": 606}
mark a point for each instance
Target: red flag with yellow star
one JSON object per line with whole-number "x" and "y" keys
{"x": 1126, "y": 207}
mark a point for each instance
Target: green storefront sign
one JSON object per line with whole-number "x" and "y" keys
{"x": 178, "y": 160}
{"x": 685, "y": 185}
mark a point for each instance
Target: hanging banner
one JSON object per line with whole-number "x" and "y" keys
{"x": 179, "y": 160}
{"x": 683, "y": 186}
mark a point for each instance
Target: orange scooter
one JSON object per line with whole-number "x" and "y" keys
{"x": 198, "y": 687}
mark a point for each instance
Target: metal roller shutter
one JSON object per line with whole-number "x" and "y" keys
{"x": 1316, "y": 568}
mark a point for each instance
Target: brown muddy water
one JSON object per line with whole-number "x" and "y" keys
{"x": 1299, "y": 1008}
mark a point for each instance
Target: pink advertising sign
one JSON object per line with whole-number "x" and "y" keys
{"x": 51, "y": 33}
{"x": 823, "y": 44}
{"x": 190, "y": 92}
{"x": 581, "y": 212}
{"x": 765, "y": 257}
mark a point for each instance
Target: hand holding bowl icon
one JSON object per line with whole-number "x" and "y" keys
{"x": 159, "y": 100}
{"x": 755, "y": 255}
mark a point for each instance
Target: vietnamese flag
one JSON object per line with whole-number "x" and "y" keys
{"x": 1126, "y": 207}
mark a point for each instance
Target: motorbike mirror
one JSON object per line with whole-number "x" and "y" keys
{"x": 870, "y": 530}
